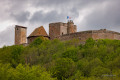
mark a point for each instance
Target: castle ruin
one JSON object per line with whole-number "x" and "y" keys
{"x": 63, "y": 32}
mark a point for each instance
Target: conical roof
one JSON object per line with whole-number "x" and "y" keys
{"x": 40, "y": 31}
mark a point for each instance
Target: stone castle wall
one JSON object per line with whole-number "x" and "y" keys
{"x": 63, "y": 29}
{"x": 78, "y": 35}
{"x": 105, "y": 34}
{"x": 95, "y": 34}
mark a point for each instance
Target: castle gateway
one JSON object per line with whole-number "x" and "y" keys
{"x": 62, "y": 31}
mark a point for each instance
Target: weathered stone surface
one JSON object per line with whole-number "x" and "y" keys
{"x": 20, "y": 35}
{"x": 71, "y": 28}
{"x": 59, "y": 29}
{"x": 55, "y": 29}
{"x": 95, "y": 34}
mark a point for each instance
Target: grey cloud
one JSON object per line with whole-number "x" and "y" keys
{"x": 7, "y": 37}
{"x": 107, "y": 17}
{"x": 66, "y": 6}
{"x": 50, "y": 3}
{"x": 10, "y": 7}
{"x": 21, "y": 17}
{"x": 52, "y": 16}
{"x": 64, "y": 2}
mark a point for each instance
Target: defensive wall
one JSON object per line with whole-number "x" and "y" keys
{"x": 95, "y": 34}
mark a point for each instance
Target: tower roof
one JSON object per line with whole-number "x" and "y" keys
{"x": 40, "y": 31}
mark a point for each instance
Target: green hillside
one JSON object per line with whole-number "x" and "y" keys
{"x": 57, "y": 60}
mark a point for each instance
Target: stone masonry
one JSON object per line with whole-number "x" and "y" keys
{"x": 95, "y": 34}
{"x": 59, "y": 28}
{"x": 20, "y": 35}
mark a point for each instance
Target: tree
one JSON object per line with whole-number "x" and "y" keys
{"x": 4, "y": 69}
{"x": 23, "y": 72}
{"x": 99, "y": 71}
{"x": 72, "y": 53}
{"x": 38, "y": 41}
{"x": 63, "y": 68}
{"x": 11, "y": 54}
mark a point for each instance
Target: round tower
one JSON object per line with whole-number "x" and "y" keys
{"x": 70, "y": 27}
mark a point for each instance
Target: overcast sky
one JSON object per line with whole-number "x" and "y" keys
{"x": 86, "y": 14}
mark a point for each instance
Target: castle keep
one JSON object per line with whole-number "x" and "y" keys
{"x": 59, "y": 28}
{"x": 62, "y": 31}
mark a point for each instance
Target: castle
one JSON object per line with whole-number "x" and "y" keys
{"x": 62, "y": 31}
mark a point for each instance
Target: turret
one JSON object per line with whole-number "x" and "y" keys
{"x": 71, "y": 28}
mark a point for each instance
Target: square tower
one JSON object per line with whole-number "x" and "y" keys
{"x": 57, "y": 29}
{"x": 20, "y": 35}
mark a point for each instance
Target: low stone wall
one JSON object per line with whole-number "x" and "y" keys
{"x": 105, "y": 34}
{"x": 78, "y": 35}
{"x": 95, "y": 34}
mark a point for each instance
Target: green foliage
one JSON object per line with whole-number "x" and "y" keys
{"x": 71, "y": 53}
{"x": 37, "y": 41}
{"x": 100, "y": 71}
{"x": 68, "y": 60}
{"x": 4, "y": 70}
{"x": 82, "y": 65}
{"x": 89, "y": 43}
{"x": 11, "y": 54}
{"x": 63, "y": 68}
{"x": 22, "y": 72}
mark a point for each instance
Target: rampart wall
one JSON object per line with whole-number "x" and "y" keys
{"x": 95, "y": 34}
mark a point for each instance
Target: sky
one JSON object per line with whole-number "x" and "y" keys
{"x": 86, "y": 14}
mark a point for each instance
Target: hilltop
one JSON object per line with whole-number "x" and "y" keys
{"x": 47, "y": 59}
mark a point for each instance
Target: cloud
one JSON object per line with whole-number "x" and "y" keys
{"x": 21, "y": 17}
{"x": 7, "y": 36}
{"x": 51, "y": 16}
{"x": 104, "y": 16}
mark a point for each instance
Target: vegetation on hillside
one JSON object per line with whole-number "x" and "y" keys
{"x": 57, "y": 60}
